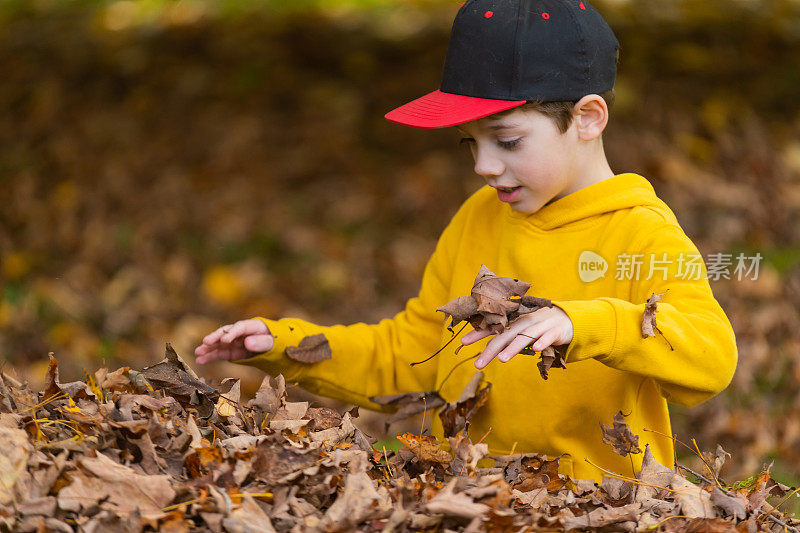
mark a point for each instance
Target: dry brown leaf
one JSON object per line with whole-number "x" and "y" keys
{"x": 410, "y": 403}
{"x": 248, "y": 518}
{"x": 425, "y": 448}
{"x": 620, "y": 436}
{"x": 551, "y": 357}
{"x": 13, "y": 463}
{"x": 456, "y": 415}
{"x": 493, "y": 294}
{"x": 449, "y": 503}
{"x": 735, "y": 507}
{"x": 654, "y": 476}
{"x": 312, "y": 349}
{"x": 460, "y": 309}
{"x": 649, "y": 317}
{"x": 176, "y": 377}
{"x": 602, "y": 517}
{"x": 359, "y": 500}
{"x": 123, "y": 490}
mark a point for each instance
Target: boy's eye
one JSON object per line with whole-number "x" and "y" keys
{"x": 465, "y": 140}
{"x": 509, "y": 145}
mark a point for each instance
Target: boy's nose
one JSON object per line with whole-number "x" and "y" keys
{"x": 487, "y": 165}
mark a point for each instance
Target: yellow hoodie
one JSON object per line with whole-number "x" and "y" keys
{"x": 610, "y": 366}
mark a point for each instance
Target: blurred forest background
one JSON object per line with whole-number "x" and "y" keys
{"x": 170, "y": 166}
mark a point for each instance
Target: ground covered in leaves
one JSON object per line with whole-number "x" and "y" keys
{"x": 161, "y": 449}
{"x": 168, "y": 167}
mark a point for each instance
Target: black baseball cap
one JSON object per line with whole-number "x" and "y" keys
{"x": 504, "y": 53}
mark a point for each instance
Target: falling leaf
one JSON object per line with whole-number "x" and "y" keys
{"x": 312, "y": 349}
{"x": 620, "y": 436}
{"x": 649, "y": 318}
{"x": 456, "y": 415}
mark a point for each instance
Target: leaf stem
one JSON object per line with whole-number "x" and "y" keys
{"x": 442, "y": 348}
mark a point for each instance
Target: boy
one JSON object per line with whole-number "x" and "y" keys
{"x": 526, "y": 83}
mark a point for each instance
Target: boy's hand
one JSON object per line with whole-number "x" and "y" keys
{"x": 236, "y": 341}
{"x": 544, "y": 327}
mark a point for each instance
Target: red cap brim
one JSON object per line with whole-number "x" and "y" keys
{"x": 441, "y": 110}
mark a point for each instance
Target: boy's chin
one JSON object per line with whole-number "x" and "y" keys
{"x": 528, "y": 207}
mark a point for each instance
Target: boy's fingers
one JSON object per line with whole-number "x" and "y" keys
{"x": 516, "y": 345}
{"x": 474, "y": 336}
{"x": 544, "y": 341}
{"x": 215, "y": 335}
{"x": 483, "y": 360}
{"x": 259, "y": 343}
{"x": 202, "y": 350}
{"x": 244, "y": 328}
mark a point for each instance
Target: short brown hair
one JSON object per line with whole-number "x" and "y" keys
{"x": 561, "y": 112}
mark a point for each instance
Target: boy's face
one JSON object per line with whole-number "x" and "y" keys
{"x": 524, "y": 156}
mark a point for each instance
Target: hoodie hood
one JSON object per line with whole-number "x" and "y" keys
{"x": 622, "y": 191}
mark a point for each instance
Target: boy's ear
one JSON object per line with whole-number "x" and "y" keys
{"x": 591, "y": 116}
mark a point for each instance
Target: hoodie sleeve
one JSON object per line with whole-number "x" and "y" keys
{"x": 371, "y": 359}
{"x": 694, "y": 355}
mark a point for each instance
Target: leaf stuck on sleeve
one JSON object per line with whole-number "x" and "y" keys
{"x": 649, "y": 318}
{"x": 312, "y": 349}
{"x": 620, "y": 436}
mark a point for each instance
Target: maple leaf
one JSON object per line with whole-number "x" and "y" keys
{"x": 312, "y": 349}
{"x": 460, "y": 309}
{"x": 649, "y": 318}
{"x": 620, "y": 436}
{"x": 493, "y": 293}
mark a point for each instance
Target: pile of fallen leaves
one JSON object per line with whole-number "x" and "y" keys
{"x": 162, "y": 449}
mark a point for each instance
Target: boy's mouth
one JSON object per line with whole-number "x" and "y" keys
{"x": 508, "y": 194}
